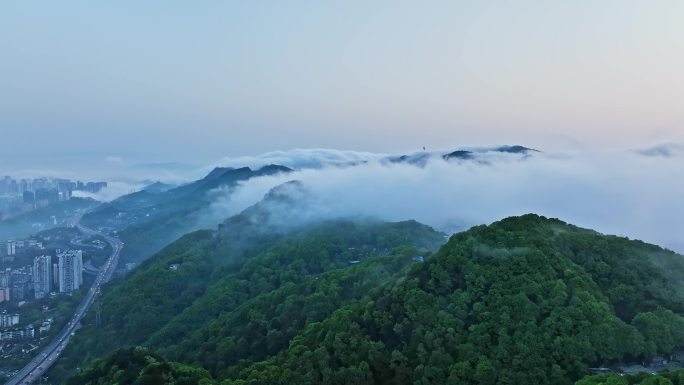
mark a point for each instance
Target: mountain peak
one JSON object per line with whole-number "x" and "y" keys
{"x": 515, "y": 149}
{"x": 217, "y": 172}
{"x": 157, "y": 187}
{"x": 273, "y": 169}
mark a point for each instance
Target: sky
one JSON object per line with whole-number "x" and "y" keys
{"x": 87, "y": 87}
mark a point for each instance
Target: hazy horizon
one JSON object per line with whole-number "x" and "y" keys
{"x": 83, "y": 82}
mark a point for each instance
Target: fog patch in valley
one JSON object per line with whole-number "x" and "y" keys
{"x": 114, "y": 190}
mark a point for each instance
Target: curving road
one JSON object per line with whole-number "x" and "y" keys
{"x": 49, "y": 354}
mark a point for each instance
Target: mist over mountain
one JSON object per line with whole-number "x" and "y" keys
{"x": 623, "y": 192}
{"x": 159, "y": 213}
{"x": 325, "y": 252}
{"x": 632, "y": 192}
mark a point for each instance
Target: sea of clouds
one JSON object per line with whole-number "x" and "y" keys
{"x": 634, "y": 193}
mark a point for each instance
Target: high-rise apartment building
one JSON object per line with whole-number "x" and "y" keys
{"x": 70, "y": 270}
{"x": 11, "y": 248}
{"x": 42, "y": 276}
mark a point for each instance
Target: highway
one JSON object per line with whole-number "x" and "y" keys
{"x": 35, "y": 369}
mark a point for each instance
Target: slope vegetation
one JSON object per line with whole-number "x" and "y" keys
{"x": 149, "y": 219}
{"x": 526, "y": 300}
{"x": 191, "y": 288}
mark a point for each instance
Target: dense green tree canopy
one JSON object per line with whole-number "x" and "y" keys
{"x": 527, "y": 300}
{"x": 180, "y": 300}
{"x": 138, "y": 366}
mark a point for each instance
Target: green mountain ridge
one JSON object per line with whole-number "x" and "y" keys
{"x": 141, "y": 367}
{"x": 203, "y": 275}
{"x": 523, "y": 300}
{"x": 148, "y": 220}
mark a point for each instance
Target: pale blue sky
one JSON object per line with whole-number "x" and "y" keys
{"x": 196, "y": 81}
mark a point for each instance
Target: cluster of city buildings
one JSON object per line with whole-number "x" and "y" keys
{"x": 9, "y": 329}
{"x": 11, "y": 186}
{"x": 8, "y": 320}
{"x": 15, "y": 284}
{"x": 27, "y": 194}
{"x": 65, "y": 276}
{"x": 9, "y": 249}
{"x": 15, "y": 334}
{"x": 45, "y": 276}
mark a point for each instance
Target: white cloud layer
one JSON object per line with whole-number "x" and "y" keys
{"x": 114, "y": 190}
{"x": 623, "y": 193}
{"x": 303, "y": 158}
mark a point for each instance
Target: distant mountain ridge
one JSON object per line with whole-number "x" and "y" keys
{"x": 156, "y": 215}
{"x": 158, "y": 187}
{"x": 149, "y": 219}
{"x": 476, "y": 154}
{"x": 306, "y": 159}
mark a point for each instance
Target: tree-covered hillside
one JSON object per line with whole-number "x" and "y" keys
{"x": 527, "y": 300}
{"x": 149, "y": 219}
{"x": 140, "y": 367}
{"x": 669, "y": 378}
{"x": 185, "y": 291}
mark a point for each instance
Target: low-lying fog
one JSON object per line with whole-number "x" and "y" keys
{"x": 639, "y": 194}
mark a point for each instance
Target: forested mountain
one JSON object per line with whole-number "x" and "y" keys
{"x": 527, "y": 300}
{"x": 141, "y": 367}
{"x": 175, "y": 299}
{"x": 149, "y": 219}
